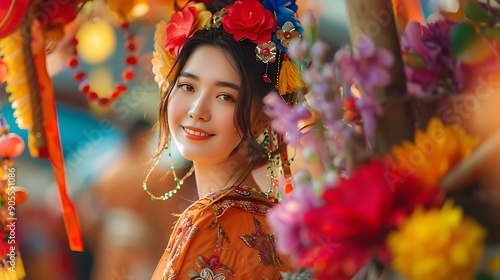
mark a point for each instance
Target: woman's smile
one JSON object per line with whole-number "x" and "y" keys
{"x": 197, "y": 134}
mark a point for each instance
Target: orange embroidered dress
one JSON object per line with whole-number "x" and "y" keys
{"x": 224, "y": 236}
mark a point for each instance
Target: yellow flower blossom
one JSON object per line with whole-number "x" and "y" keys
{"x": 433, "y": 153}
{"x": 204, "y": 17}
{"x": 437, "y": 244}
{"x": 162, "y": 60}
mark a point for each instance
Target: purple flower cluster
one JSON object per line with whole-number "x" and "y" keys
{"x": 365, "y": 69}
{"x": 285, "y": 118}
{"x": 322, "y": 105}
{"x": 429, "y": 63}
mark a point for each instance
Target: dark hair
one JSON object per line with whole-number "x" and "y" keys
{"x": 252, "y": 88}
{"x": 212, "y": 6}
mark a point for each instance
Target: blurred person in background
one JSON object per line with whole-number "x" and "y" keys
{"x": 121, "y": 227}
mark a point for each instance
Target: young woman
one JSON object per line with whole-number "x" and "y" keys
{"x": 212, "y": 110}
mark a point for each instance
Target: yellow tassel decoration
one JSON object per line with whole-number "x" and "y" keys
{"x": 13, "y": 52}
{"x": 290, "y": 79}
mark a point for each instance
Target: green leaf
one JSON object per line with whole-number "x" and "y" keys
{"x": 475, "y": 12}
{"x": 467, "y": 45}
{"x": 462, "y": 35}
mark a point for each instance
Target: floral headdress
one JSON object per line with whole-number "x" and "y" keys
{"x": 271, "y": 25}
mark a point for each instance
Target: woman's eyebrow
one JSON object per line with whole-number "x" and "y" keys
{"x": 189, "y": 75}
{"x": 229, "y": 85}
{"x": 219, "y": 83}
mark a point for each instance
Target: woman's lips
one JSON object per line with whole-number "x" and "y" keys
{"x": 196, "y": 133}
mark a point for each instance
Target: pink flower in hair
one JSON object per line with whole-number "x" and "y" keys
{"x": 183, "y": 24}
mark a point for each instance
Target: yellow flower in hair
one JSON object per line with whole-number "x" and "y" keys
{"x": 162, "y": 60}
{"x": 204, "y": 17}
{"x": 433, "y": 153}
{"x": 438, "y": 244}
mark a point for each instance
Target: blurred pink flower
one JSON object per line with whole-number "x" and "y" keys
{"x": 369, "y": 109}
{"x": 430, "y": 66}
{"x": 366, "y": 68}
{"x": 286, "y": 218}
{"x": 285, "y": 118}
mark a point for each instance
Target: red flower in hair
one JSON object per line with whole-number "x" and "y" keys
{"x": 180, "y": 27}
{"x": 249, "y": 19}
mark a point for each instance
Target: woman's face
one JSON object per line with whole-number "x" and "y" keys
{"x": 202, "y": 104}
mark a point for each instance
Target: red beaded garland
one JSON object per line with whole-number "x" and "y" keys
{"x": 127, "y": 74}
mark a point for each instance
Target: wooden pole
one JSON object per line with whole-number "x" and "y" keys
{"x": 375, "y": 19}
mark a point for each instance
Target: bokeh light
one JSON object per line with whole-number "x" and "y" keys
{"x": 96, "y": 41}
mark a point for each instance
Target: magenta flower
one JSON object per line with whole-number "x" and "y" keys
{"x": 366, "y": 68}
{"x": 286, "y": 218}
{"x": 430, "y": 66}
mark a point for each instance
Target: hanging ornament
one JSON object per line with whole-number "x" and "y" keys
{"x": 11, "y": 195}
{"x": 11, "y": 145}
{"x": 12, "y": 13}
{"x": 127, "y": 74}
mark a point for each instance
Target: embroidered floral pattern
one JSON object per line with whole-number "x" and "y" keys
{"x": 206, "y": 274}
{"x": 185, "y": 232}
{"x": 242, "y": 191}
{"x": 170, "y": 275}
{"x": 264, "y": 243}
{"x": 221, "y": 234}
{"x": 213, "y": 263}
{"x": 244, "y": 199}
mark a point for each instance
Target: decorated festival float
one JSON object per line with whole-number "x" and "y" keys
{"x": 404, "y": 128}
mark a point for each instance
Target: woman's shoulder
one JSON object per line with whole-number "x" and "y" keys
{"x": 246, "y": 199}
{"x": 226, "y": 234}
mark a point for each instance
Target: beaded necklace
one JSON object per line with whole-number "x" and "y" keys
{"x": 178, "y": 182}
